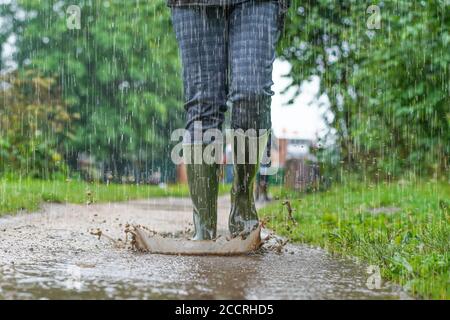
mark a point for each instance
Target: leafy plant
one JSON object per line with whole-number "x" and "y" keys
{"x": 34, "y": 123}
{"x": 119, "y": 72}
{"x": 389, "y": 88}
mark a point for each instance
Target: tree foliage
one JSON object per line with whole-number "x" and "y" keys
{"x": 389, "y": 88}
{"x": 119, "y": 71}
{"x": 34, "y": 123}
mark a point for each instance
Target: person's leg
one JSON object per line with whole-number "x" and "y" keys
{"x": 265, "y": 187}
{"x": 258, "y": 186}
{"x": 201, "y": 34}
{"x": 254, "y": 32}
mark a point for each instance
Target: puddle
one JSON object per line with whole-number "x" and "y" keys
{"x": 51, "y": 255}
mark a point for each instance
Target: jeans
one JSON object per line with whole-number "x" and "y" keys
{"x": 227, "y": 54}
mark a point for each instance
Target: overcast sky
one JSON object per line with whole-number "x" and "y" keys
{"x": 304, "y": 119}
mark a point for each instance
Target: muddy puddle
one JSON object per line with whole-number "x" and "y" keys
{"x": 51, "y": 255}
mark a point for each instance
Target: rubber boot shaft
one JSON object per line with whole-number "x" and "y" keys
{"x": 243, "y": 217}
{"x": 203, "y": 181}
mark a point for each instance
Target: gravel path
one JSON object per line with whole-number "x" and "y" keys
{"x": 50, "y": 254}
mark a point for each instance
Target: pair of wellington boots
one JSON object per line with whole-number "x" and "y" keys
{"x": 203, "y": 180}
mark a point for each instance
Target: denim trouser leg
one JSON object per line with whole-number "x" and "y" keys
{"x": 202, "y": 38}
{"x": 227, "y": 53}
{"x": 254, "y": 34}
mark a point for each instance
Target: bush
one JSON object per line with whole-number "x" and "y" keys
{"x": 34, "y": 124}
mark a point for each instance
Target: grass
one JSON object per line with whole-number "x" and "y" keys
{"x": 29, "y": 194}
{"x": 407, "y": 236}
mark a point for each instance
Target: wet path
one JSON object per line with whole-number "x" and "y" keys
{"x": 51, "y": 254}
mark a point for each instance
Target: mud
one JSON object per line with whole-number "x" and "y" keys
{"x": 52, "y": 254}
{"x": 144, "y": 241}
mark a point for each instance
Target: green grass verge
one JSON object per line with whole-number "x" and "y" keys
{"x": 28, "y": 194}
{"x": 409, "y": 241}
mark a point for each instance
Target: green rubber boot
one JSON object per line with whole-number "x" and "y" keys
{"x": 243, "y": 216}
{"x": 203, "y": 181}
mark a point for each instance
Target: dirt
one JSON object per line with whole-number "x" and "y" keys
{"x": 51, "y": 254}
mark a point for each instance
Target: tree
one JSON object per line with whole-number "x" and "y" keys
{"x": 119, "y": 71}
{"x": 388, "y": 87}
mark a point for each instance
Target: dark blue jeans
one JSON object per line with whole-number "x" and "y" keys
{"x": 227, "y": 54}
